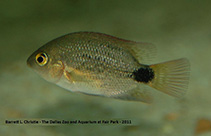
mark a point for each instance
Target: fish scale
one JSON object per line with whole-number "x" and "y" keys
{"x": 94, "y": 54}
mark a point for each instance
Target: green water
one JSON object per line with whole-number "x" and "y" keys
{"x": 178, "y": 29}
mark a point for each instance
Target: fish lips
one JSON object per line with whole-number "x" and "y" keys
{"x": 29, "y": 62}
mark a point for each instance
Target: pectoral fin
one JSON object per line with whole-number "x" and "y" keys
{"x": 76, "y": 76}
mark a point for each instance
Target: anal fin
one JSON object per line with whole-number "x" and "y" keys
{"x": 137, "y": 94}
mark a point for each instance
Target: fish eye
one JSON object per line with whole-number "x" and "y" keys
{"x": 41, "y": 59}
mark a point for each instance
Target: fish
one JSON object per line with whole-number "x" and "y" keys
{"x": 98, "y": 64}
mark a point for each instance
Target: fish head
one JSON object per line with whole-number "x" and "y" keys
{"x": 47, "y": 62}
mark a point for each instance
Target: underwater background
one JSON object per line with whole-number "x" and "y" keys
{"x": 177, "y": 28}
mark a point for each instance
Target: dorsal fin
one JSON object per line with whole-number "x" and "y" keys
{"x": 143, "y": 52}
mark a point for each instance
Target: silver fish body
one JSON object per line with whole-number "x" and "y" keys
{"x": 103, "y": 65}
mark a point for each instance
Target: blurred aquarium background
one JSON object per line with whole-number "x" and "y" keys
{"x": 178, "y": 29}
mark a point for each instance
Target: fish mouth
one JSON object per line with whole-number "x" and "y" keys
{"x": 28, "y": 62}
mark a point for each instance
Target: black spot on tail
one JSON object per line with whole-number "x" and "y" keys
{"x": 143, "y": 74}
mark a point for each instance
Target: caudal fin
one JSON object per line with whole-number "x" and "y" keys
{"x": 171, "y": 77}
